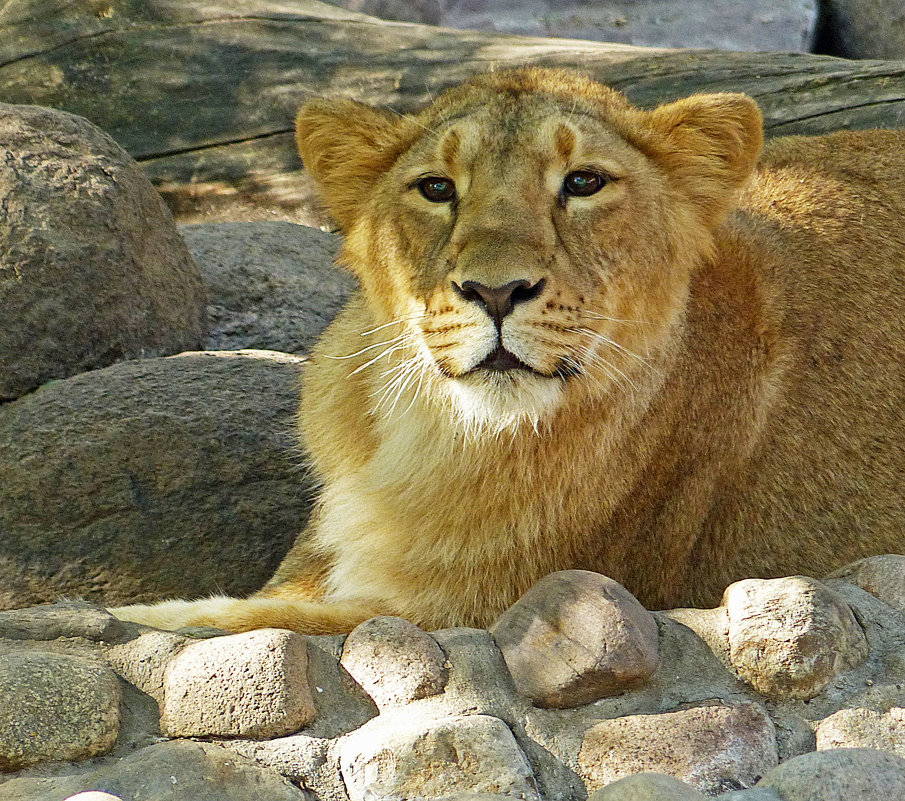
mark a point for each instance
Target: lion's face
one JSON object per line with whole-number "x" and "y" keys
{"x": 521, "y": 238}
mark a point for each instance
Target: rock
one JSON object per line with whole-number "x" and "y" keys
{"x": 153, "y": 478}
{"x": 789, "y": 637}
{"x": 55, "y": 707}
{"x": 794, "y": 735}
{"x": 299, "y": 757}
{"x": 167, "y": 772}
{"x": 63, "y": 619}
{"x": 427, "y": 12}
{"x": 394, "y": 661}
{"x": 478, "y": 682}
{"x": 647, "y": 787}
{"x": 342, "y": 705}
{"x": 787, "y": 25}
{"x": 843, "y": 774}
{"x": 92, "y": 268}
{"x": 435, "y": 758}
{"x": 881, "y": 576}
{"x": 142, "y": 661}
{"x": 714, "y": 748}
{"x": 474, "y": 797}
{"x": 574, "y": 637}
{"x": 245, "y": 685}
{"x": 270, "y": 285}
{"x": 864, "y": 728}
{"x": 862, "y": 29}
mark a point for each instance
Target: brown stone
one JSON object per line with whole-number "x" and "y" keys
{"x": 406, "y": 758}
{"x": 165, "y": 772}
{"x": 647, "y": 787}
{"x": 789, "y": 637}
{"x": 245, "y": 685}
{"x": 864, "y": 728}
{"x": 270, "y": 285}
{"x": 394, "y": 661}
{"x": 843, "y": 774}
{"x": 574, "y": 637}
{"x": 171, "y": 477}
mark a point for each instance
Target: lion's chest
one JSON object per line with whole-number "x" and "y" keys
{"x": 462, "y": 530}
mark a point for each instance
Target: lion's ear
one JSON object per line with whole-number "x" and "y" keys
{"x": 712, "y": 145}
{"x": 345, "y": 146}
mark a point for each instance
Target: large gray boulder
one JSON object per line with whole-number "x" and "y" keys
{"x": 863, "y": 28}
{"x": 92, "y": 268}
{"x": 162, "y": 477}
{"x": 270, "y": 285}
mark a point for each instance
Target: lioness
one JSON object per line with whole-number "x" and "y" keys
{"x": 591, "y": 336}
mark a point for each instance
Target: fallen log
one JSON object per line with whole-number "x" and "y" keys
{"x": 204, "y": 94}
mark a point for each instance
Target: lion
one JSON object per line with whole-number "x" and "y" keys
{"x": 591, "y": 336}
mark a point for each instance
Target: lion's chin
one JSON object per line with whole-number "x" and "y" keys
{"x": 490, "y": 401}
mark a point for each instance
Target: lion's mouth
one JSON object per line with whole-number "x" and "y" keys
{"x": 500, "y": 359}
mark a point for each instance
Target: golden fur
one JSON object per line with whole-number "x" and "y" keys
{"x": 716, "y": 344}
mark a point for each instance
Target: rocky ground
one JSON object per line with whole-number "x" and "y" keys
{"x": 791, "y": 690}
{"x": 148, "y": 382}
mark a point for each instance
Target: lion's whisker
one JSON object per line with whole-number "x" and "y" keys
{"x": 612, "y": 343}
{"x": 379, "y": 356}
{"x": 399, "y": 383}
{"x": 596, "y": 316}
{"x": 398, "y": 321}
{"x": 365, "y": 349}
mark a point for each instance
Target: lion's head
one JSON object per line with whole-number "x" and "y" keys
{"x": 530, "y": 236}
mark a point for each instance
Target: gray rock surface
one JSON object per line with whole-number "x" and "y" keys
{"x": 394, "y": 661}
{"x": 143, "y": 660}
{"x": 845, "y": 774}
{"x": 714, "y": 748}
{"x": 244, "y": 685}
{"x": 173, "y": 771}
{"x": 863, "y": 28}
{"x": 427, "y": 12}
{"x": 647, "y": 787}
{"x": 55, "y": 707}
{"x": 574, "y": 637}
{"x": 63, "y": 619}
{"x": 420, "y": 759}
{"x": 152, "y": 478}
{"x": 789, "y": 637}
{"x": 881, "y": 576}
{"x": 787, "y": 25}
{"x": 270, "y": 285}
{"x": 92, "y": 268}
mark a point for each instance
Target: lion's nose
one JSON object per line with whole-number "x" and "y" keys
{"x": 498, "y": 301}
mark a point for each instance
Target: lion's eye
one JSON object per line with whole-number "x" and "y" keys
{"x": 583, "y": 183}
{"x": 436, "y": 189}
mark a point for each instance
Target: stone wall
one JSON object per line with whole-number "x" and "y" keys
{"x": 792, "y": 690}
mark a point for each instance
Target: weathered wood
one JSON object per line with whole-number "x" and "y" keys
{"x": 204, "y": 94}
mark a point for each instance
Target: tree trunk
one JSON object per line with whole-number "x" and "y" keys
{"x": 204, "y": 94}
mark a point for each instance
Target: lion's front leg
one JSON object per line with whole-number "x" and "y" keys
{"x": 245, "y": 614}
